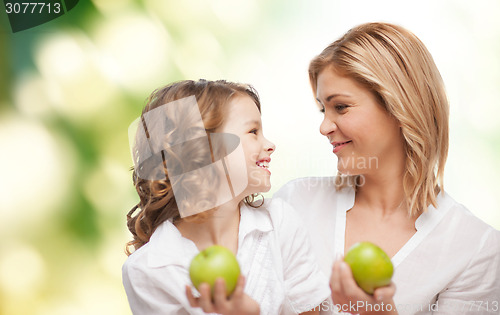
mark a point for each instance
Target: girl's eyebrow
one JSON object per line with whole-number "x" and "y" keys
{"x": 253, "y": 122}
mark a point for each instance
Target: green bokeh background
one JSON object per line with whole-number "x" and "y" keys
{"x": 70, "y": 88}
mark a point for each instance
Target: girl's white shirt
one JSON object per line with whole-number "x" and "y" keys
{"x": 274, "y": 253}
{"x": 451, "y": 265}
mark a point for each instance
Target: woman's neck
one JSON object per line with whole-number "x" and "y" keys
{"x": 385, "y": 197}
{"x": 220, "y": 227}
{"x": 383, "y": 190}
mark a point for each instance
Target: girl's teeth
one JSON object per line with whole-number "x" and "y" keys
{"x": 263, "y": 164}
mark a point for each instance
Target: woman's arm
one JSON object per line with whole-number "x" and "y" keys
{"x": 477, "y": 289}
{"x": 350, "y": 298}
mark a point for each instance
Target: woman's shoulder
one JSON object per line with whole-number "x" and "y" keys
{"x": 463, "y": 223}
{"x": 461, "y": 212}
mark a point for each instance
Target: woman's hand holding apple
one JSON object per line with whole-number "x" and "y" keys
{"x": 345, "y": 292}
{"x": 236, "y": 303}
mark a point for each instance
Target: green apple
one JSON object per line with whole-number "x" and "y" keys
{"x": 212, "y": 263}
{"x": 370, "y": 265}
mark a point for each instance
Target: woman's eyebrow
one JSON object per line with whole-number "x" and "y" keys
{"x": 332, "y": 96}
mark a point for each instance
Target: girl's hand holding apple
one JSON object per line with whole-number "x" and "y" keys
{"x": 236, "y": 303}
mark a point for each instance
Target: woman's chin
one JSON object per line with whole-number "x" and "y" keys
{"x": 349, "y": 171}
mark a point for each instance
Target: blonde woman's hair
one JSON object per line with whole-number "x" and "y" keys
{"x": 157, "y": 203}
{"x": 395, "y": 65}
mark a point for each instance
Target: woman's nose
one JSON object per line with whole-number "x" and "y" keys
{"x": 327, "y": 126}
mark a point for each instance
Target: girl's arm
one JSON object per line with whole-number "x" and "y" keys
{"x": 306, "y": 286}
{"x": 312, "y": 312}
{"x": 149, "y": 294}
{"x": 237, "y": 304}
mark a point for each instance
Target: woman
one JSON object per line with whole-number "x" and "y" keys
{"x": 386, "y": 116}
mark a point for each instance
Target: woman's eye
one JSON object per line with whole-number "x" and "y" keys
{"x": 254, "y": 131}
{"x": 322, "y": 110}
{"x": 340, "y": 107}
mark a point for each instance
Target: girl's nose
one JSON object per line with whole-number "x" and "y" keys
{"x": 270, "y": 147}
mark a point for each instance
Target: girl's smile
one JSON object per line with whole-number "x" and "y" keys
{"x": 243, "y": 120}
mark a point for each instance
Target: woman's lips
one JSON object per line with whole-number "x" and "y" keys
{"x": 337, "y": 146}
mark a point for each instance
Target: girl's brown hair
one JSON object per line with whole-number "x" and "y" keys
{"x": 157, "y": 203}
{"x": 395, "y": 65}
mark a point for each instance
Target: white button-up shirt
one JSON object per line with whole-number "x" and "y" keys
{"x": 274, "y": 253}
{"x": 451, "y": 265}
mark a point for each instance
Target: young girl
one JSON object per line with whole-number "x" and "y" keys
{"x": 200, "y": 158}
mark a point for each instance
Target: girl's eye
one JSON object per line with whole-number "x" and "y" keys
{"x": 254, "y": 131}
{"x": 322, "y": 110}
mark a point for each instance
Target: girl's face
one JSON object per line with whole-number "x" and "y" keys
{"x": 364, "y": 136}
{"x": 243, "y": 120}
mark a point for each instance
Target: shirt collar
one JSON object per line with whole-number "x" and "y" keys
{"x": 432, "y": 216}
{"x": 168, "y": 247}
{"x": 254, "y": 219}
{"x": 429, "y": 217}
{"x": 348, "y": 202}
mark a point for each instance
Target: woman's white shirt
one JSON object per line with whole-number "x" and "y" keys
{"x": 451, "y": 265}
{"x": 274, "y": 253}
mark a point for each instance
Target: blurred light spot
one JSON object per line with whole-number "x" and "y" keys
{"x": 197, "y": 54}
{"x": 106, "y": 6}
{"x": 22, "y": 270}
{"x": 70, "y": 63}
{"x": 235, "y": 13}
{"x": 97, "y": 295}
{"x": 135, "y": 50}
{"x": 186, "y": 12}
{"x": 112, "y": 253}
{"x": 60, "y": 306}
{"x": 35, "y": 96}
{"x": 108, "y": 187}
{"x": 61, "y": 56}
{"x": 35, "y": 170}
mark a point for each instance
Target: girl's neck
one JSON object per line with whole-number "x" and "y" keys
{"x": 220, "y": 228}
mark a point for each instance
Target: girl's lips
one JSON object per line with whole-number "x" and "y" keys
{"x": 337, "y": 146}
{"x": 264, "y": 164}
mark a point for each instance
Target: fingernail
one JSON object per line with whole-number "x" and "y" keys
{"x": 380, "y": 297}
{"x": 343, "y": 266}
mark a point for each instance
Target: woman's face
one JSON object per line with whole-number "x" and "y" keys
{"x": 243, "y": 119}
{"x": 364, "y": 136}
